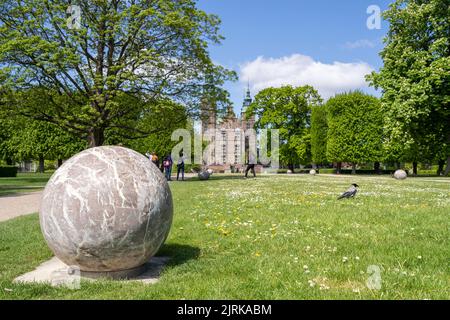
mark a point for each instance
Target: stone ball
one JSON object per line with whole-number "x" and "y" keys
{"x": 106, "y": 209}
{"x": 289, "y": 172}
{"x": 400, "y": 175}
{"x": 313, "y": 172}
{"x": 204, "y": 175}
{"x": 210, "y": 172}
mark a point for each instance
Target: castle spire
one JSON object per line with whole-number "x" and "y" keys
{"x": 247, "y": 100}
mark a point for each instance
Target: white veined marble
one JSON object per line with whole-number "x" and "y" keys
{"x": 400, "y": 175}
{"x": 106, "y": 209}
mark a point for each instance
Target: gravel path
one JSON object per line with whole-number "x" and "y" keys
{"x": 19, "y": 205}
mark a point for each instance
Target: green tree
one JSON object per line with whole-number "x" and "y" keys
{"x": 319, "y": 129}
{"x": 150, "y": 50}
{"x": 399, "y": 146}
{"x": 162, "y": 120}
{"x": 7, "y": 127}
{"x": 355, "y": 128}
{"x": 32, "y": 139}
{"x": 287, "y": 109}
{"x": 415, "y": 78}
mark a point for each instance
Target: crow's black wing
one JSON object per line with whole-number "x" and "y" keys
{"x": 347, "y": 194}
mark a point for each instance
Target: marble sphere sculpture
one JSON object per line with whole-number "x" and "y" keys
{"x": 400, "y": 175}
{"x": 313, "y": 172}
{"x": 204, "y": 175}
{"x": 210, "y": 172}
{"x": 289, "y": 172}
{"x": 107, "y": 209}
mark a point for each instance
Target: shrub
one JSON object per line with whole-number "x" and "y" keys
{"x": 349, "y": 171}
{"x": 327, "y": 171}
{"x": 8, "y": 171}
{"x": 355, "y": 128}
{"x": 319, "y": 128}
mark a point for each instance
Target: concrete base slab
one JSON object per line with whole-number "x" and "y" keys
{"x": 57, "y": 273}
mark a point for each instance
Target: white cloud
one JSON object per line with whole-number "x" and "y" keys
{"x": 298, "y": 70}
{"x": 363, "y": 43}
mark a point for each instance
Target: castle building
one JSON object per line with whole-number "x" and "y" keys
{"x": 228, "y": 138}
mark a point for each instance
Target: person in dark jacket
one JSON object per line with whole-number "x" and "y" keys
{"x": 180, "y": 167}
{"x": 251, "y": 165}
{"x": 168, "y": 163}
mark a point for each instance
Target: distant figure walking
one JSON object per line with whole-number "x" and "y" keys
{"x": 251, "y": 165}
{"x": 168, "y": 163}
{"x": 180, "y": 167}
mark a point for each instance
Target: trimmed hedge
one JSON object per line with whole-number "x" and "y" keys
{"x": 327, "y": 171}
{"x": 8, "y": 171}
{"x": 360, "y": 171}
{"x": 304, "y": 171}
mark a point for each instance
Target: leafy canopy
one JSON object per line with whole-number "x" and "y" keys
{"x": 415, "y": 80}
{"x": 355, "y": 128}
{"x": 150, "y": 49}
{"x": 319, "y": 128}
{"x": 287, "y": 109}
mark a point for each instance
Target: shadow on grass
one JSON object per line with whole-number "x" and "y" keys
{"x": 220, "y": 177}
{"x": 17, "y": 191}
{"x": 179, "y": 254}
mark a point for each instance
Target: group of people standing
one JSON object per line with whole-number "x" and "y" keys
{"x": 167, "y": 165}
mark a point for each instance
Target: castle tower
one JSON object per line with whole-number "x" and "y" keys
{"x": 247, "y": 123}
{"x": 230, "y": 144}
{"x": 250, "y": 122}
{"x": 208, "y": 117}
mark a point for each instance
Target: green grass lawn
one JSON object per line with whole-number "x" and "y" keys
{"x": 24, "y": 182}
{"x": 276, "y": 237}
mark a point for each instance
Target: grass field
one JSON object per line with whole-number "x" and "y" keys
{"x": 24, "y": 182}
{"x": 276, "y": 237}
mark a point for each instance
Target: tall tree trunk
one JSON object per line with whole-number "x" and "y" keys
{"x": 377, "y": 167}
{"x": 60, "y": 162}
{"x": 441, "y": 165}
{"x": 398, "y": 165}
{"x": 354, "y": 168}
{"x": 415, "y": 168}
{"x": 291, "y": 167}
{"x": 338, "y": 167}
{"x": 96, "y": 137}
{"x": 447, "y": 170}
{"x": 41, "y": 164}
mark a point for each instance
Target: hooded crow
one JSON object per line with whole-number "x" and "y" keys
{"x": 350, "y": 193}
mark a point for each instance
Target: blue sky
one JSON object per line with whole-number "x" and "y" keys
{"x": 324, "y": 42}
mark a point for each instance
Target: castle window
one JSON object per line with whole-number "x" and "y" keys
{"x": 224, "y": 153}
